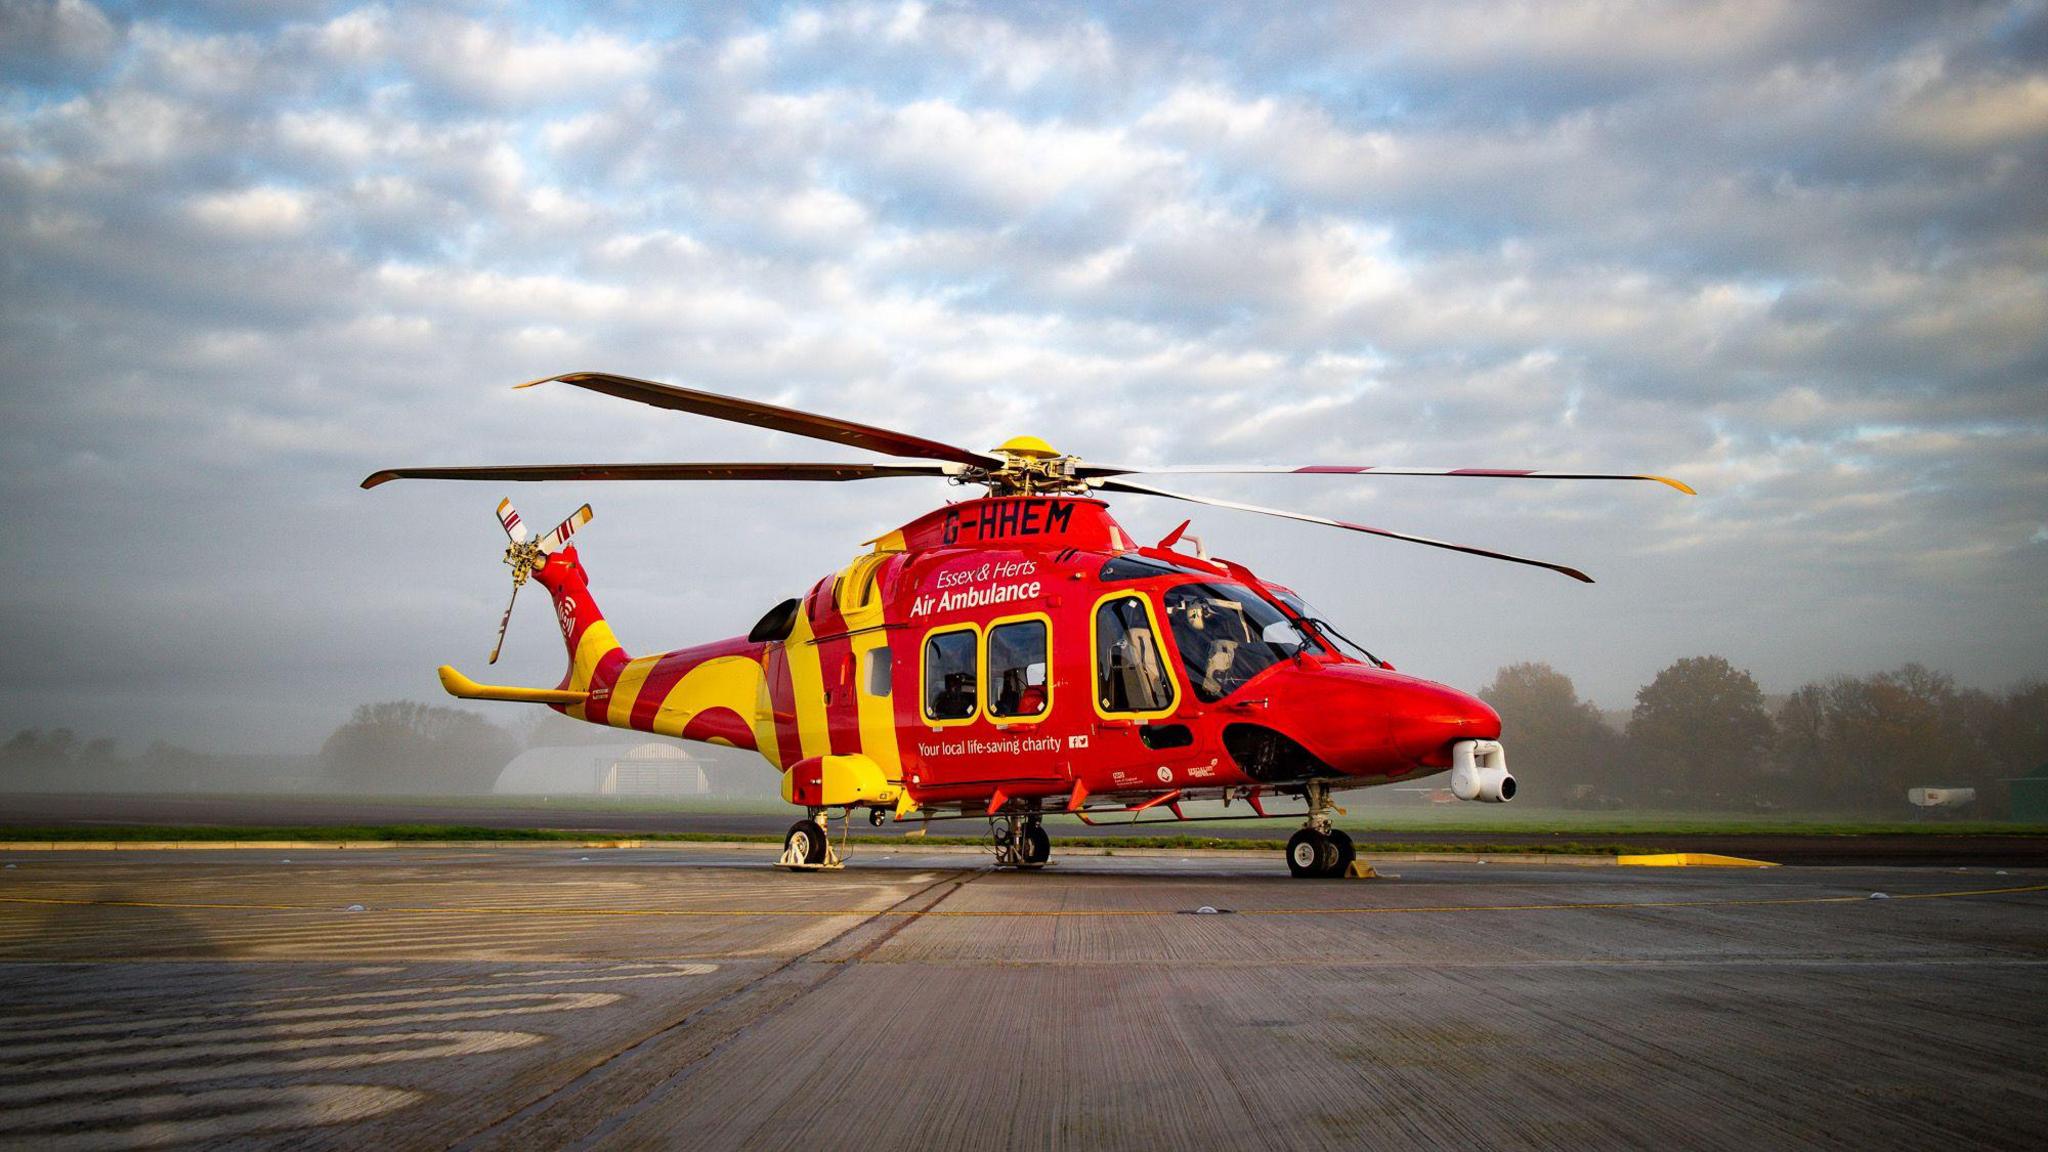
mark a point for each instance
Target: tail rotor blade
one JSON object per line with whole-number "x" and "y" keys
{"x": 509, "y": 517}
{"x": 504, "y": 622}
{"x": 559, "y": 536}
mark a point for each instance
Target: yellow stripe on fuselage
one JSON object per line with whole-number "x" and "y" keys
{"x": 762, "y": 721}
{"x": 732, "y": 682}
{"x": 619, "y": 713}
{"x": 597, "y": 640}
{"x": 877, "y": 713}
{"x": 807, "y": 684}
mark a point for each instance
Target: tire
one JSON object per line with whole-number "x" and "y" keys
{"x": 1327, "y": 866}
{"x": 1346, "y": 853}
{"x": 1037, "y": 846}
{"x": 806, "y": 838}
{"x": 1305, "y": 852}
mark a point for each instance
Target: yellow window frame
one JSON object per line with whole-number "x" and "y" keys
{"x": 924, "y": 669}
{"x": 988, "y": 681}
{"x": 1095, "y": 657}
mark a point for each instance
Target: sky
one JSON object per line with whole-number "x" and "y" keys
{"x": 1794, "y": 254}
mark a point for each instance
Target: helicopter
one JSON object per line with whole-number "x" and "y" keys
{"x": 1013, "y": 656}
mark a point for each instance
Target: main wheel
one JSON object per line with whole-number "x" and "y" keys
{"x": 1037, "y": 846}
{"x": 1305, "y": 852}
{"x": 1346, "y": 853}
{"x": 806, "y": 841}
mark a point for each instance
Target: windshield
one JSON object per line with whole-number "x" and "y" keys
{"x": 1321, "y": 623}
{"x": 1226, "y": 634}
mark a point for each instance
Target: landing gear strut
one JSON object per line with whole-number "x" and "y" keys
{"x": 1021, "y": 841}
{"x": 1319, "y": 851}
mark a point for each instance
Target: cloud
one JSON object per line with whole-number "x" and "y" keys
{"x": 1792, "y": 254}
{"x": 54, "y": 41}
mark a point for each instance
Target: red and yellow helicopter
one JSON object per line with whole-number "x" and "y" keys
{"x": 1013, "y": 656}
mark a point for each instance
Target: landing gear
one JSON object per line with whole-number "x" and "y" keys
{"x": 1305, "y": 851}
{"x": 1346, "y": 853}
{"x": 1036, "y": 848}
{"x": 808, "y": 846}
{"x": 1021, "y": 842}
{"x": 1319, "y": 851}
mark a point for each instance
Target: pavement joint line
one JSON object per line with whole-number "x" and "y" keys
{"x": 589, "y": 1075}
{"x": 597, "y": 1136}
{"x": 1000, "y": 913}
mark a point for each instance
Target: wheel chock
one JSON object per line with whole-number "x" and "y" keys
{"x": 1360, "y": 870}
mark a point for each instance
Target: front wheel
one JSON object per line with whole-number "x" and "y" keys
{"x": 1305, "y": 853}
{"x": 805, "y": 842}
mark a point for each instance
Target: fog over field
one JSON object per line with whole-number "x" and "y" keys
{"x": 1795, "y": 254}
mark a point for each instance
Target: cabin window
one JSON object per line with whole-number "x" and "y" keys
{"x": 1226, "y": 634}
{"x": 951, "y": 661}
{"x": 1017, "y": 654}
{"x": 1130, "y": 676}
{"x": 877, "y": 667}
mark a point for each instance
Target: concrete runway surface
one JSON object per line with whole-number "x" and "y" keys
{"x": 694, "y": 997}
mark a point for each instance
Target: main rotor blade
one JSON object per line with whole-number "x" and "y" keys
{"x": 1143, "y": 490}
{"x": 883, "y": 440}
{"x": 1377, "y": 470}
{"x": 768, "y": 471}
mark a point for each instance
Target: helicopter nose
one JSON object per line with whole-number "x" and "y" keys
{"x": 1366, "y": 721}
{"x": 1428, "y": 718}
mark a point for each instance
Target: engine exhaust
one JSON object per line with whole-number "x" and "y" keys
{"x": 1479, "y": 771}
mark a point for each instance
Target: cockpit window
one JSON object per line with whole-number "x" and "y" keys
{"x": 1130, "y": 678}
{"x": 1226, "y": 634}
{"x": 1326, "y": 637}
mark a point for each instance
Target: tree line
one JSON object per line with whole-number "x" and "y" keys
{"x": 396, "y": 747}
{"x": 1703, "y": 735}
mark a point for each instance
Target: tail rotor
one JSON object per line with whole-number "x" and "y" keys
{"x": 523, "y": 555}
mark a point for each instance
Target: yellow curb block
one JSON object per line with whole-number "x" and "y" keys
{"x": 1690, "y": 860}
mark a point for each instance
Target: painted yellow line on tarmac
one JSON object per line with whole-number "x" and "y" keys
{"x": 997, "y": 913}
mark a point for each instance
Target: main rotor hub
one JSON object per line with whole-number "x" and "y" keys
{"x": 1030, "y": 467}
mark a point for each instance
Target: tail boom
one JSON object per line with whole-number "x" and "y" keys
{"x": 715, "y": 692}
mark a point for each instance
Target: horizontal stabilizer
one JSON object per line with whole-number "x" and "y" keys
{"x": 464, "y": 688}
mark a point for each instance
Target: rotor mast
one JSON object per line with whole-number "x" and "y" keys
{"x": 1030, "y": 467}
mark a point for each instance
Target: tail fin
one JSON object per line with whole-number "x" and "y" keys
{"x": 594, "y": 653}
{"x": 595, "y": 656}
